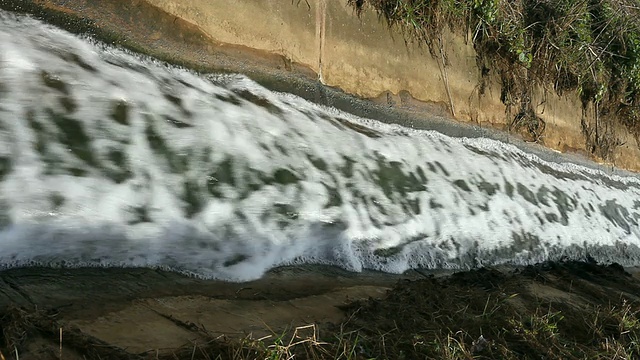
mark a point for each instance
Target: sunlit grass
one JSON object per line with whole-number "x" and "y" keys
{"x": 589, "y": 48}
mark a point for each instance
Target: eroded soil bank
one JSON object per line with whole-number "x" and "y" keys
{"x": 557, "y": 310}
{"x": 139, "y": 311}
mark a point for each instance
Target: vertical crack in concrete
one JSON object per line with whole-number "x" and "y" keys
{"x": 321, "y": 17}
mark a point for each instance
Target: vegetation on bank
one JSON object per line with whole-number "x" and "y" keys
{"x": 591, "y": 47}
{"x": 572, "y": 310}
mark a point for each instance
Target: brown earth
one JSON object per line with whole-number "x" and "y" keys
{"x": 143, "y": 313}
{"x": 139, "y": 311}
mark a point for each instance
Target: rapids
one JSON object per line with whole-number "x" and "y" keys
{"x": 109, "y": 158}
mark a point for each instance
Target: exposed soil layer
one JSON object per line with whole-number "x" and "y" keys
{"x": 122, "y": 313}
{"x": 557, "y": 310}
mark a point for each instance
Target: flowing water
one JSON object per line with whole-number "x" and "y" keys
{"x": 112, "y": 159}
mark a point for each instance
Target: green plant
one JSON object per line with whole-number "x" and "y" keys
{"x": 591, "y": 47}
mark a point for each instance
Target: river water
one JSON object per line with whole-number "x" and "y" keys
{"x": 108, "y": 158}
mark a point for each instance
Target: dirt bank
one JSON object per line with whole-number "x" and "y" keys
{"x": 139, "y": 311}
{"x": 142, "y": 313}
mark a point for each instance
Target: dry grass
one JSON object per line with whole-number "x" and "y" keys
{"x": 482, "y": 314}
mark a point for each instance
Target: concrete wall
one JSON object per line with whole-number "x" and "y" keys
{"x": 362, "y": 56}
{"x": 275, "y": 26}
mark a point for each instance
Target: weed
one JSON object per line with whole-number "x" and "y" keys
{"x": 481, "y": 314}
{"x": 590, "y": 47}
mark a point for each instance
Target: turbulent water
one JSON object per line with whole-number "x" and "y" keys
{"x": 112, "y": 159}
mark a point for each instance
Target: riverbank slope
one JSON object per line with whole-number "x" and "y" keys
{"x": 557, "y": 310}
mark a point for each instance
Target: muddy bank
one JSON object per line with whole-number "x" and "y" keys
{"x": 143, "y": 310}
{"x": 142, "y": 313}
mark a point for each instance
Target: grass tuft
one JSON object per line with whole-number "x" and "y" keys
{"x": 588, "y": 47}
{"x": 575, "y": 311}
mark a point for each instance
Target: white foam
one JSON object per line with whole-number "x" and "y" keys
{"x": 341, "y": 197}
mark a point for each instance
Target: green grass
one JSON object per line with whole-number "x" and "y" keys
{"x": 589, "y": 47}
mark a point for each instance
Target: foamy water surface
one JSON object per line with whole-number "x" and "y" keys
{"x": 113, "y": 159}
